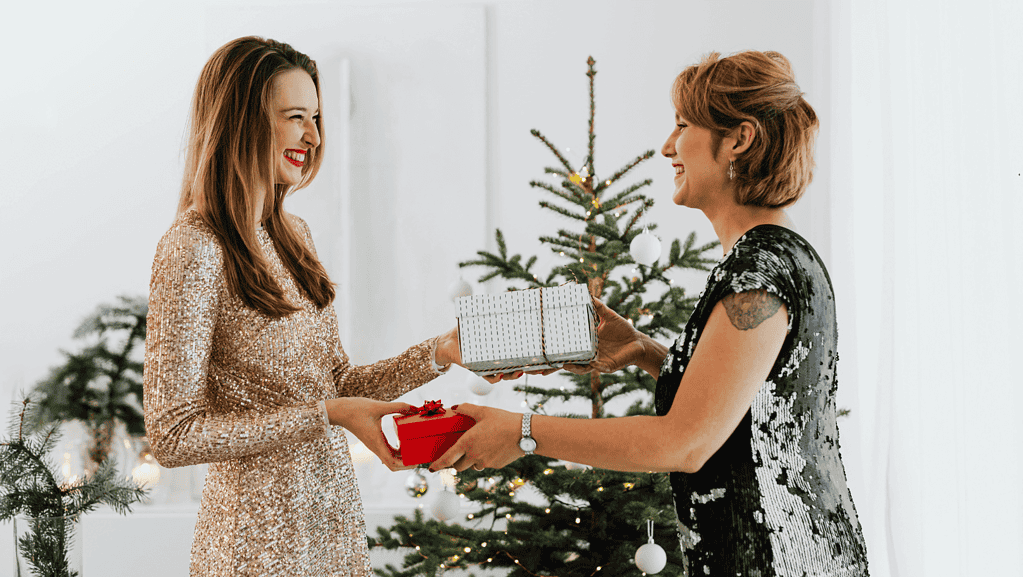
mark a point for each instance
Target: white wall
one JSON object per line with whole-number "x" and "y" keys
{"x": 442, "y": 103}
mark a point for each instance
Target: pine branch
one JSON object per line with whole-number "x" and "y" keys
{"x": 573, "y": 198}
{"x": 625, "y": 169}
{"x": 552, "y": 148}
{"x": 561, "y": 211}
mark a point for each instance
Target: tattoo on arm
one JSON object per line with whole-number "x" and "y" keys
{"x": 748, "y": 309}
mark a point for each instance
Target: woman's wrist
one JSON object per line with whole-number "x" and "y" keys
{"x": 652, "y": 355}
{"x": 446, "y": 350}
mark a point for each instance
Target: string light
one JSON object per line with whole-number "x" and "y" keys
{"x": 467, "y": 549}
{"x": 547, "y": 510}
{"x": 470, "y": 516}
{"x": 548, "y": 471}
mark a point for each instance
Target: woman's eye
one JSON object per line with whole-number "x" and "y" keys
{"x": 682, "y": 125}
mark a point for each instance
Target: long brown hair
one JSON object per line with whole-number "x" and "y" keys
{"x": 719, "y": 94}
{"x": 231, "y": 155}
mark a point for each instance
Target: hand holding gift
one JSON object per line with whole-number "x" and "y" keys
{"x": 362, "y": 417}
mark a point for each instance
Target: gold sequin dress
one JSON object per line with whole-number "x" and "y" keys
{"x": 229, "y": 386}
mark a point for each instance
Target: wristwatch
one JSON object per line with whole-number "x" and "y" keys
{"x": 527, "y": 443}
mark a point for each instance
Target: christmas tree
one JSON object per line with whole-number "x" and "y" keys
{"x": 101, "y": 385}
{"x": 539, "y": 516}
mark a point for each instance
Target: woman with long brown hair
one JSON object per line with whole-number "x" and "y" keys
{"x": 243, "y": 367}
{"x": 745, "y": 398}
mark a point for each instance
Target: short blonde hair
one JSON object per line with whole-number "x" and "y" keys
{"x": 719, "y": 94}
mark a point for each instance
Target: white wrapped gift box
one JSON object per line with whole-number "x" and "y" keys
{"x": 529, "y": 330}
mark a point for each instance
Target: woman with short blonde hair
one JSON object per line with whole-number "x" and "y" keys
{"x": 745, "y": 398}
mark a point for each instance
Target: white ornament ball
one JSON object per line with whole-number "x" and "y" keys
{"x": 459, "y": 288}
{"x": 446, "y": 506}
{"x": 650, "y": 558}
{"x": 479, "y": 386}
{"x": 645, "y": 248}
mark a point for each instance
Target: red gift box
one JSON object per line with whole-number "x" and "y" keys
{"x": 429, "y": 431}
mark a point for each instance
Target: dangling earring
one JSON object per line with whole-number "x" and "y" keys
{"x": 731, "y": 170}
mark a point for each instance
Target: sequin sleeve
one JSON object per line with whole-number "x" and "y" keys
{"x": 388, "y": 379}
{"x": 187, "y": 293}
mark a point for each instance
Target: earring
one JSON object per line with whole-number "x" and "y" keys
{"x": 731, "y": 170}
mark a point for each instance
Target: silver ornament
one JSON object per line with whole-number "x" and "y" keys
{"x": 416, "y": 485}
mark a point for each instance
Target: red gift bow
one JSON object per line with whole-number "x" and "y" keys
{"x": 429, "y": 409}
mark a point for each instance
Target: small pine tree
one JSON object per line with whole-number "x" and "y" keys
{"x": 576, "y": 521}
{"x": 102, "y": 384}
{"x": 29, "y": 487}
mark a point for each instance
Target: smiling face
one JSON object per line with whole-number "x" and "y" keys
{"x": 297, "y": 112}
{"x": 698, "y": 176}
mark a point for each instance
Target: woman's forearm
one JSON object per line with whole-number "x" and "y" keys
{"x": 638, "y": 443}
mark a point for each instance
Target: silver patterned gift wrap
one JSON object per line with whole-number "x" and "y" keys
{"x": 532, "y": 329}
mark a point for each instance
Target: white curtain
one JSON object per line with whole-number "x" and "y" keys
{"x": 927, "y": 207}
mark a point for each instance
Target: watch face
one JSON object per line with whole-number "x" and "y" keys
{"x": 527, "y": 444}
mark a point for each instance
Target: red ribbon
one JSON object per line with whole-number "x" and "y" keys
{"x": 429, "y": 409}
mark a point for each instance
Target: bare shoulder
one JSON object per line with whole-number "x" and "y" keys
{"x": 748, "y": 309}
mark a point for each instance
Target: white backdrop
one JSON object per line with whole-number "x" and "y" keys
{"x": 442, "y": 97}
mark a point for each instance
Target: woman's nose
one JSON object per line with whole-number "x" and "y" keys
{"x": 669, "y": 146}
{"x": 312, "y": 135}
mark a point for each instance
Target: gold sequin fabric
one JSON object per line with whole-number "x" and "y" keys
{"x": 232, "y": 387}
{"x": 773, "y": 500}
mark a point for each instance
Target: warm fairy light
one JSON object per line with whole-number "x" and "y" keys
{"x": 578, "y": 520}
{"x": 580, "y": 259}
{"x": 489, "y": 559}
{"x": 599, "y": 489}
{"x": 507, "y": 516}
{"x": 598, "y": 567}
{"x": 548, "y": 471}
{"x": 483, "y": 544}
{"x": 629, "y": 485}
{"x": 467, "y": 549}
{"x": 511, "y": 493}
{"x": 147, "y": 472}
{"x": 607, "y": 183}
{"x": 470, "y": 516}
{"x": 547, "y": 510}
{"x": 417, "y": 547}
{"x": 518, "y": 481}
{"x": 562, "y": 253}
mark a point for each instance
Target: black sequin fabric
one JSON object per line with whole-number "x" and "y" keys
{"x": 773, "y": 500}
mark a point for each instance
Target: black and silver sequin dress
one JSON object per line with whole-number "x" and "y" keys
{"x": 773, "y": 500}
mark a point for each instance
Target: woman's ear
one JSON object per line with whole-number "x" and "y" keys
{"x": 744, "y": 134}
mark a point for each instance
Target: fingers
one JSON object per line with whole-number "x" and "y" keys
{"x": 397, "y": 407}
{"x": 578, "y": 369}
{"x": 469, "y": 409}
